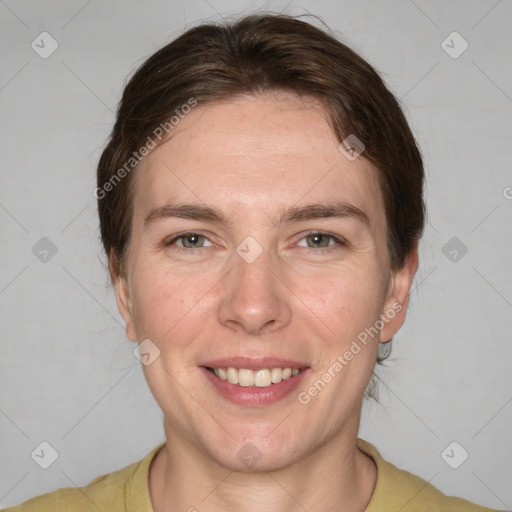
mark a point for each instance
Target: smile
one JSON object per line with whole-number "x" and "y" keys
{"x": 254, "y": 383}
{"x": 260, "y": 378}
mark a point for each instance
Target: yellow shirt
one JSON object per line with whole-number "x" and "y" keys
{"x": 126, "y": 490}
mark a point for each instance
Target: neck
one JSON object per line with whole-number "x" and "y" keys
{"x": 336, "y": 477}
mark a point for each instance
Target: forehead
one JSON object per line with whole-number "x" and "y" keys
{"x": 256, "y": 153}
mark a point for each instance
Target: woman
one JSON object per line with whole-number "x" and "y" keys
{"x": 261, "y": 205}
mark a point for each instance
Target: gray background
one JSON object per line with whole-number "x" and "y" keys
{"x": 69, "y": 377}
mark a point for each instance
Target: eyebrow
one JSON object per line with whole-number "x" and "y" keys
{"x": 336, "y": 209}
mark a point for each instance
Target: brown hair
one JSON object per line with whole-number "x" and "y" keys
{"x": 253, "y": 55}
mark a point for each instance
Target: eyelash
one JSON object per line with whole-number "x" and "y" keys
{"x": 339, "y": 242}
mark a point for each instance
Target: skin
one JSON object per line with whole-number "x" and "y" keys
{"x": 253, "y": 157}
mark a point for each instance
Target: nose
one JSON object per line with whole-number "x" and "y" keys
{"x": 254, "y": 298}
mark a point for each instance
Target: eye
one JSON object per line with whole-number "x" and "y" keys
{"x": 320, "y": 242}
{"x": 318, "y": 239}
{"x": 189, "y": 240}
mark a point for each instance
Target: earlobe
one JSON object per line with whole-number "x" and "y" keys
{"x": 123, "y": 298}
{"x": 397, "y": 300}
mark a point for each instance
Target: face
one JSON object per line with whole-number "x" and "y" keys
{"x": 230, "y": 265}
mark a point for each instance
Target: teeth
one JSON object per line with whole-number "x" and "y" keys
{"x": 245, "y": 377}
{"x": 260, "y": 378}
{"x": 276, "y": 375}
{"x": 232, "y": 375}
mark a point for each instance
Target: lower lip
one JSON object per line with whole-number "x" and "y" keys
{"x": 254, "y": 396}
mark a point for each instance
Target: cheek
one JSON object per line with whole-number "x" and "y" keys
{"x": 171, "y": 307}
{"x": 160, "y": 300}
{"x": 347, "y": 300}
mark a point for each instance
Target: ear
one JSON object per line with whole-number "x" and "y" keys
{"x": 397, "y": 298}
{"x": 123, "y": 298}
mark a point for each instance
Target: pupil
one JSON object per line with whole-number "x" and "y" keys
{"x": 317, "y": 239}
{"x": 192, "y": 239}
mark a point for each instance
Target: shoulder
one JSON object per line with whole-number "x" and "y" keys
{"x": 397, "y": 489}
{"x": 103, "y": 493}
{"x": 124, "y": 490}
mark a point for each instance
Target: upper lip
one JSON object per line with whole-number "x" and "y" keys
{"x": 254, "y": 363}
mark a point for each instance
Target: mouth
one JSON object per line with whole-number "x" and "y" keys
{"x": 254, "y": 383}
{"x": 260, "y": 378}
